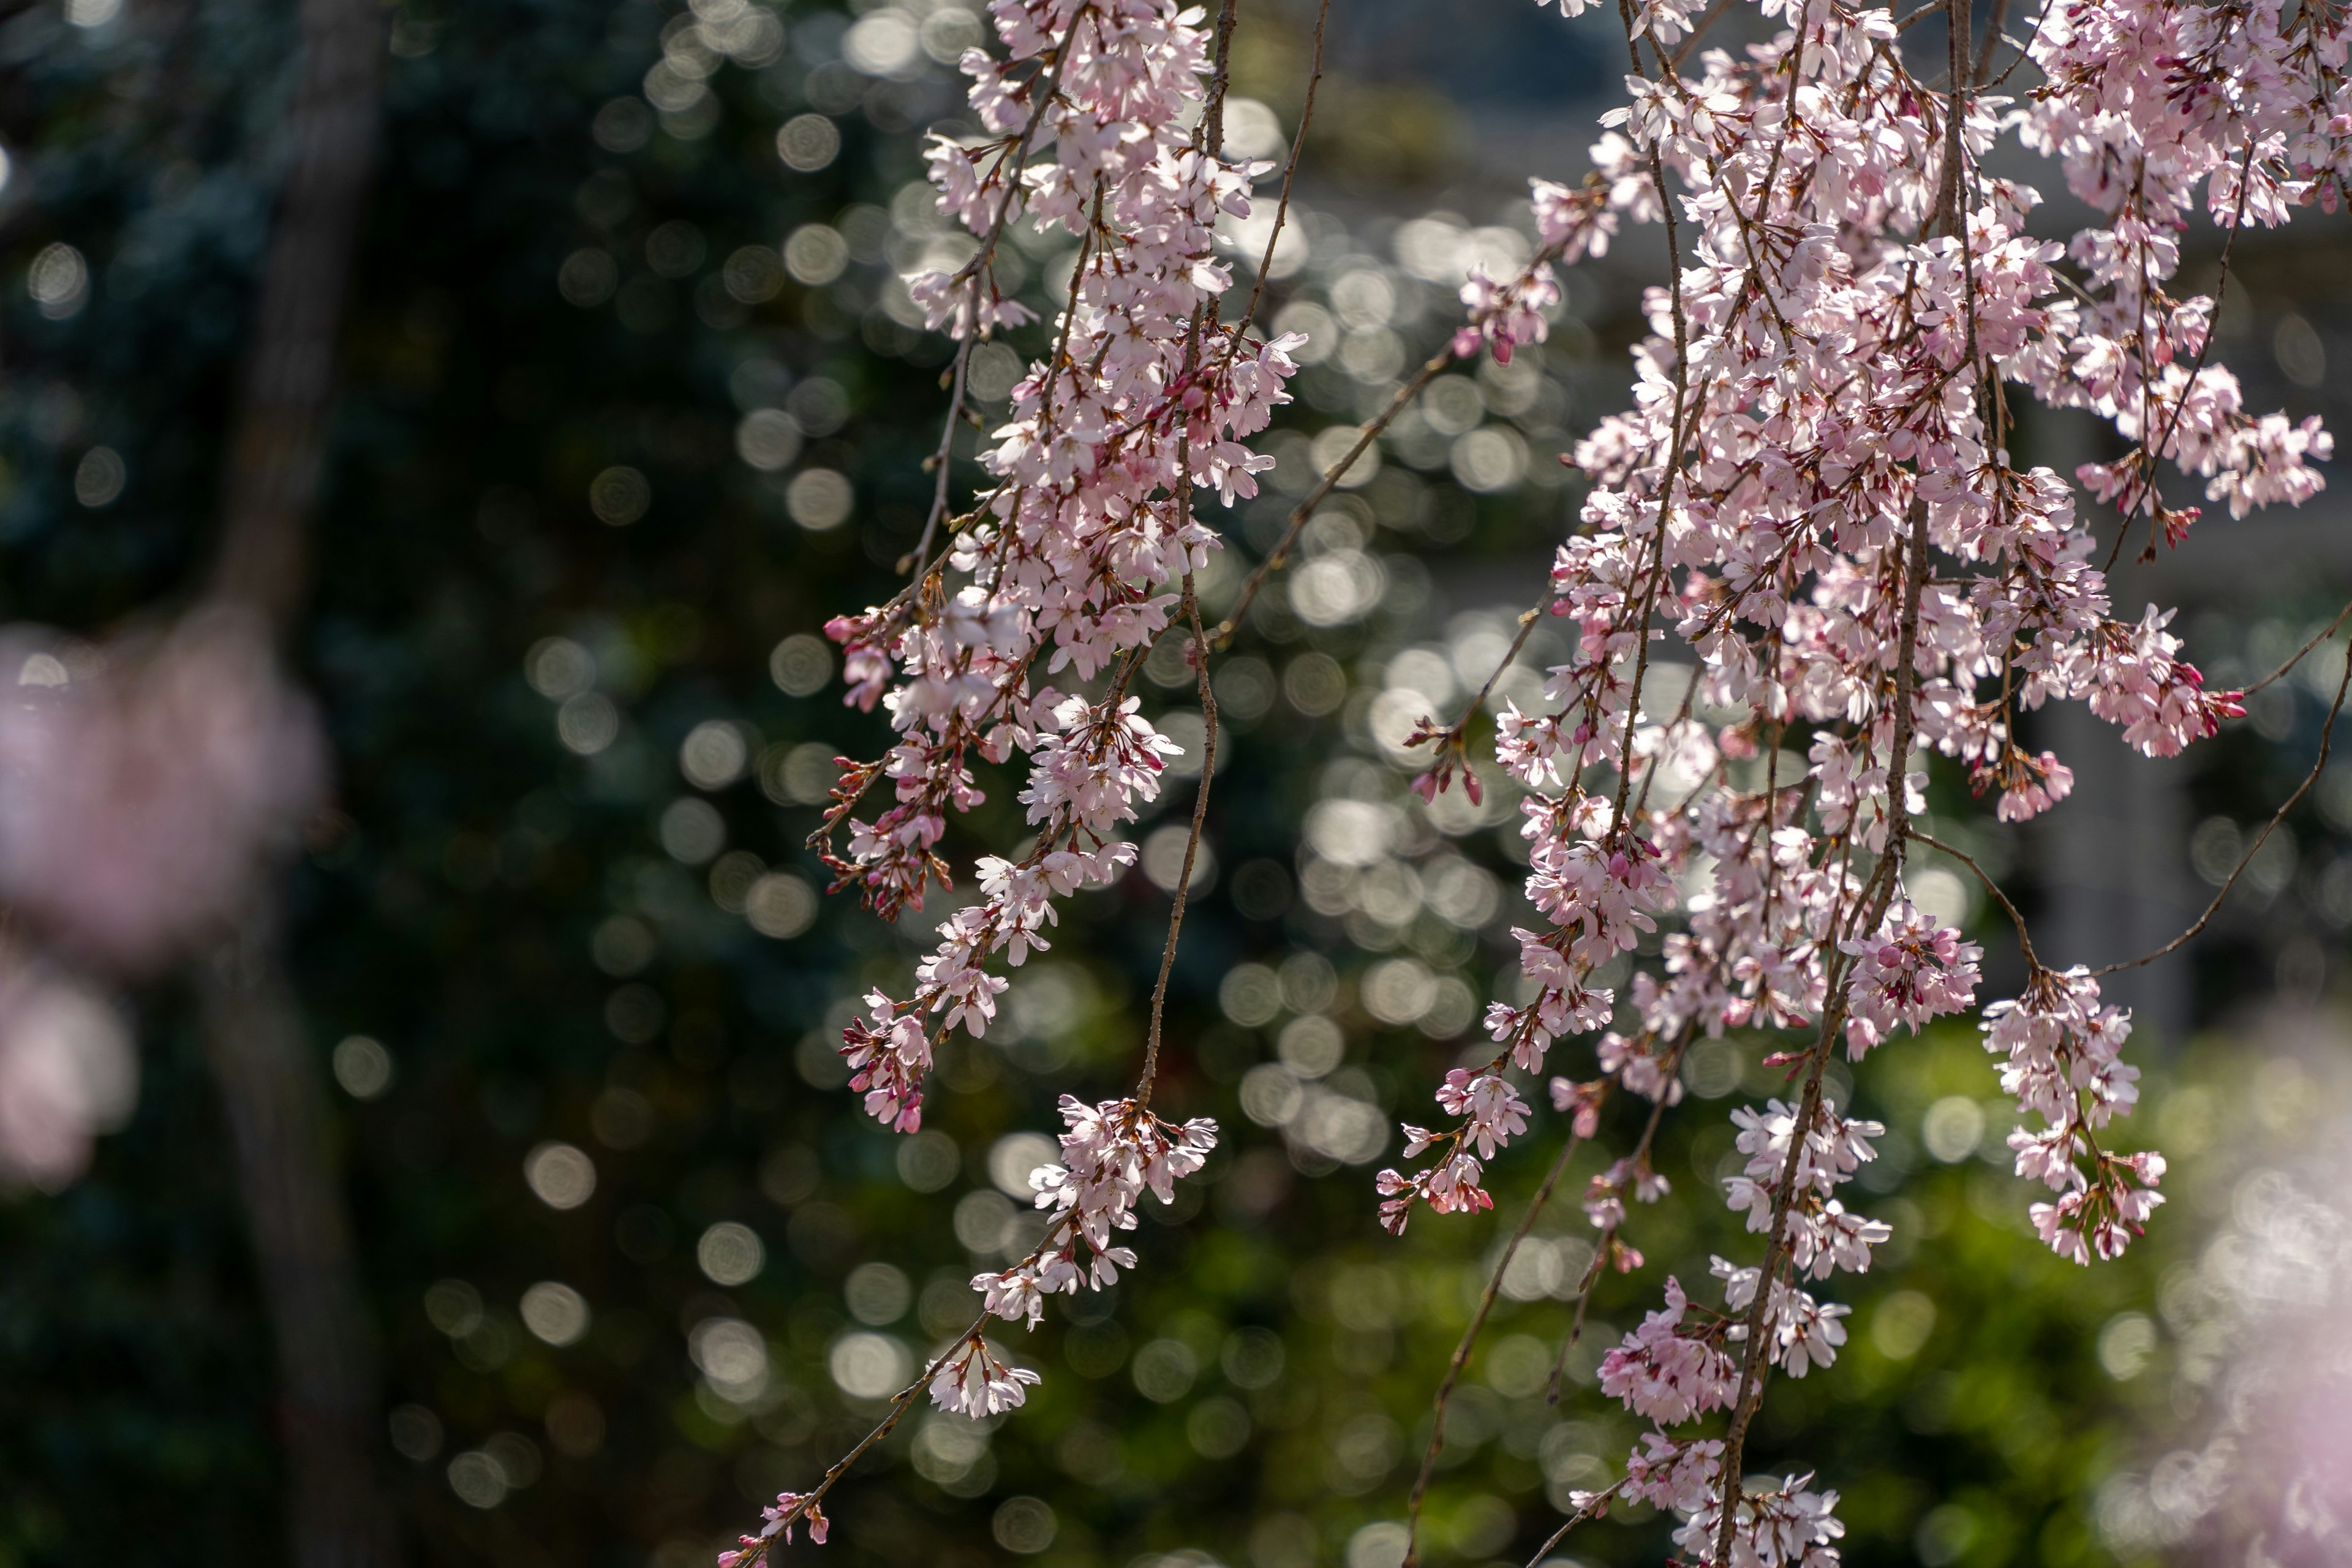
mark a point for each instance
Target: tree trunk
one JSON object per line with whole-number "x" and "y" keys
{"x": 273, "y": 1091}
{"x": 280, "y": 437}
{"x": 329, "y": 1398}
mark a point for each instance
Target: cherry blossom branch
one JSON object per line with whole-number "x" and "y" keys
{"x": 1821, "y": 395}
{"x": 976, "y": 272}
{"x": 2155, "y": 454}
{"x": 792, "y": 1508}
{"x": 1093, "y": 515}
{"x": 1112, "y": 1153}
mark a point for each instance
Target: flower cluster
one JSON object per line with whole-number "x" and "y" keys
{"x": 1821, "y": 1235}
{"x": 1112, "y": 1154}
{"x": 1491, "y": 1112}
{"x": 779, "y": 1517}
{"x": 1911, "y": 971}
{"x": 1788, "y": 1526}
{"x": 1813, "y": 489}
{"x": 2063, "y": 1063}
{"x": 1068, "y": 563}
{"x": 974, "y": 1381}
{"x": 1669, "y": 1368}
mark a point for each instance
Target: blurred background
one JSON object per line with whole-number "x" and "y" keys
{"x": 632, "y": 400}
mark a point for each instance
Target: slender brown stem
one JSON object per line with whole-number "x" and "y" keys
{"x": 1589, "y": 1508}
{"x": 1452, "y": 736}
{"x": 1210, "y": 134}
{"x": 1289, "y": 173}
{"x": 1638, "y": 1160}
{"x": 1198, "y": 654}
{"x": 1453, "y": 1368}
{"x": 1223, "y": 632}
{"x": 1992, "y": 41}
{"x": 2326, "y": 740}
{"x": 1684, "y": 405}
{"x": 1212, "y": 138}
{"x": 2316, "y": 638}
{"x": 1699, "y": 31}
{"x": 2024, "y": 942}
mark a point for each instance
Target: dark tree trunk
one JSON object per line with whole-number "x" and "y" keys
{"x": 279, "y": 436}
{"x": 269, "y": 1076}
{"x": 329, "y": 1398}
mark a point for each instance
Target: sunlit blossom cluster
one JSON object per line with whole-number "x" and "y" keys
{"x": 2065, "y": 1064}
{"x": 1813, "y": 492}
{"x": 1111, "y": 1155}
{"x": 1071, "y": 560}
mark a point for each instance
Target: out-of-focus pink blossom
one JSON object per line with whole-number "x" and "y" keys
{"x": 68, "y": 1072}
{"x": 142, "y": 797}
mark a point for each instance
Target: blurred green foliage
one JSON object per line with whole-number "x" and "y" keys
{"x": 620, "y": 298}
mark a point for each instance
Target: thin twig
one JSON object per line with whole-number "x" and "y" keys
{"x": 1198, "y": 653}
{"x": 2155, "y": 454}
{"x": 2316, "y": 638}
{"x": 2024, "y": 942}
{"x": 2326, "y": 739}
{"x": 1639, "y": 1160}
{"x": 1222, "y": 633}
{"x": 898, "y": 1404}
{"x": 1699, "y": 31}
{"x": 1469, "y": 1339}
{"x": 1289, "y": 173}
{"x": 1590, "y": 1508}
{"x": 1670, "y": 461}
{"x": 1209, "y": 136}
{"x": 1448, "y": 742}
{"x": 1992, "y": 38}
